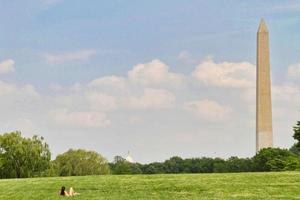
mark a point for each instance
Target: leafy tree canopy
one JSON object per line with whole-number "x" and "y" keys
{"x": 23, "y": 157}
{"x": 81, "y": 162}
{"x": 273, "y": 159}
{"x": 297, "y": 134}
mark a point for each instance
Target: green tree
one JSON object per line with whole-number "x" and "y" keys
{"x": 153, "y": 168}
{"x": 220, "y": 165}
{"x": 297, "y": 132}
{"x": 23, "y": 157}
{"x": 52, "y": 171}
{"x": 204, "y": 165}
{"x": 235, "y": 164}
{"x": 296, "y": 136}
{"x": 292, "y": 163}
{"x": 272, "y": 159}
{"x": 121, "y": 166}
{"x": 136, "y": 168}
{"x": 174, "y": 165}
{"x": 295, "y": 149}
{"x": 81, "y": 162}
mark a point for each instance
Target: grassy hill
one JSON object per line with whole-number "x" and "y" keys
{"x": 285, "y": 185}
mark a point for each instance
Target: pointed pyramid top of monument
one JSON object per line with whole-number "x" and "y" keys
{"x": 262, "y": 26}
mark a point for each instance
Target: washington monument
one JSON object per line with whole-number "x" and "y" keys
{"x": 264, "y": 131}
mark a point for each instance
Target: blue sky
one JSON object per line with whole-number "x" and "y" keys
{"x": 53, "y": 52}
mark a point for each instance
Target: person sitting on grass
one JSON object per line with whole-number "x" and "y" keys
{"x": 71, "y": 192}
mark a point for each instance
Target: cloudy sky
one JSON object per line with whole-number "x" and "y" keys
{"x": 158, "y": 78}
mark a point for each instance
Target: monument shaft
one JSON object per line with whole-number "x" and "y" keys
{"x": 264, "y": 130}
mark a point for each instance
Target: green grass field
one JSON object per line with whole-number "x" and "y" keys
{"x": 285, "y": 185}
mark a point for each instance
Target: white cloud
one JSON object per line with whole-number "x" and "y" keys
{"x": 26, "y": 125}
{"x": 151, "y": 98}
{"x": 135, "y": 120}
{"x": 154, "y": 73}
{"x": 77, "y": 87}
{"x": 7, "y": 66}
{"x": 288, "y": 7}
{"x": 288, "y": 93}
{"x": 294, "y": 71}
{"x": 101, "y": 101}
{"x": 17, "y": 102}
{"x": 184, "y": 55}
{"x": 55, "y": 87}
{"x": 208, "y": 110}
{"x": 30, "y": 90}
{"x": 81, "y": 119}
{"x": 6, "y": 88}
{"x": 225, "y": 74}
{"x": 25, "y": 91}
{"x": 115, "y": 82}
{"x": 62, "y": 57}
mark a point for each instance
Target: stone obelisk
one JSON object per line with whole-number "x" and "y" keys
{"x": 264, "y": 131}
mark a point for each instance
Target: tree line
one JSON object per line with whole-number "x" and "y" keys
{"x": 22, "y": 157}
{"x": 268, "y": 159}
